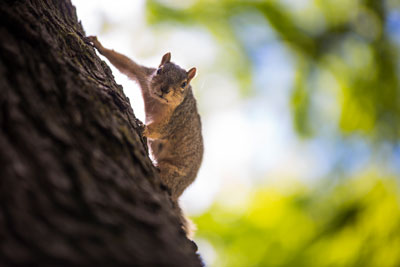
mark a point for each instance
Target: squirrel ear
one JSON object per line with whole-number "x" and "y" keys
{"x": 166, "y": 58}
{"x": 191, "y": 73}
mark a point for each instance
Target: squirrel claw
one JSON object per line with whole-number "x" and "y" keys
{"x": 92, "y": 40}
{"x": 141, "y": 125}
{"x": 88, "y": 41}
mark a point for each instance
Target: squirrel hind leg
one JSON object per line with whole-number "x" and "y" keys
{"x": 173, "y": 177}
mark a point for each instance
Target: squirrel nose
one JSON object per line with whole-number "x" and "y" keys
{"x": 165, "y": 89}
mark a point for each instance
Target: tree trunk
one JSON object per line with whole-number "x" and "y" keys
{"x": 76, "y": 184}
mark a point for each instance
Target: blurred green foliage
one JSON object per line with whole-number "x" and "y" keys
{"x": 348, "y": 52}
{"x": 354, "y": 223}
{"x": 351, "y": 40}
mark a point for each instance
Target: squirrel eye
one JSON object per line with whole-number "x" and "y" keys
{"x": 184, "y": 84}
{"x": 159, "y": 71}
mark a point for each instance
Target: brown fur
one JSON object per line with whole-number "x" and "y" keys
{"x": 173, "y": 125}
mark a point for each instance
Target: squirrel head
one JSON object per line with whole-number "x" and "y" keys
{"x": 169, "y": 84}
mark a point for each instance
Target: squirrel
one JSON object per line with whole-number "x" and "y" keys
{"x": 172, "y": 124}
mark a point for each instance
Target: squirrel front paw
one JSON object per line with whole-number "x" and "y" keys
{"x": 145, "y": 131}
{"x": 151, "y": 132}
{"x": 92, "y": 40}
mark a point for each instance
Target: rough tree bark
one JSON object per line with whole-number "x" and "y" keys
{"x": 76, "y": 183}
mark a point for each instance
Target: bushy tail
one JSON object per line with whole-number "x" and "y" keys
{"x": 187, "y": 224}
